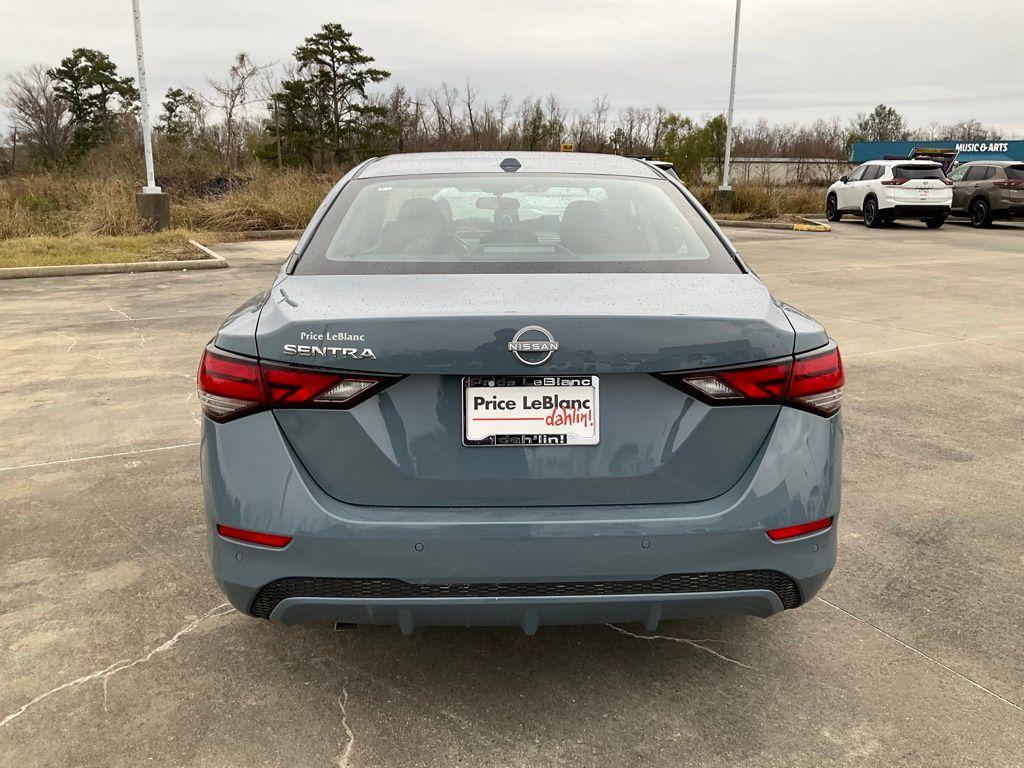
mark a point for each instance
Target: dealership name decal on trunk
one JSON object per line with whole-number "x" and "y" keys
{"x": 309, "y": 350}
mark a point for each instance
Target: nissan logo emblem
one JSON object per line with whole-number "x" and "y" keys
{"x": 531, "y": 341}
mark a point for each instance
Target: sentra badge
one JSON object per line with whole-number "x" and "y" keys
{"x": 311, "y": 350}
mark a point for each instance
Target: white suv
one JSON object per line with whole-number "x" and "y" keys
{"x": 884, "y": 190}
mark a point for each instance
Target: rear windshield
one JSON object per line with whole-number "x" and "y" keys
{"x": 918, "y": 172}
{"x": 1015, "y": 171}
{"x": 516, "y": 223}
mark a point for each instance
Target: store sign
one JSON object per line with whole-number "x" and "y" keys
{"x": 983, "y": 146}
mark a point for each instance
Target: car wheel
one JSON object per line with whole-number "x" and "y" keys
{"x": 981, "y": 213}
{"x": 872, "y": 218}
{"x": 934, "y": 222}
{"x": 832, "y": 212}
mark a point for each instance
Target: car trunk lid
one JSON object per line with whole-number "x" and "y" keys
{"x": 462, "y": 324}
{"x": 406, "y": 445}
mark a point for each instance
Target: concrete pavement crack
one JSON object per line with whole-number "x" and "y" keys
{"x": 684, "y": 641}
{"x": 120, "y": 666}
{"x": 350, "y": 743}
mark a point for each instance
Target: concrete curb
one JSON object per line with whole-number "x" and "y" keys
{"x": 266, "y": 234}
{"x": 212, "y": 261}
{"x": 804, "y": 225}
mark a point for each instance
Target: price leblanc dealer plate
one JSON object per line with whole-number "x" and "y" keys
{"x": 530, "y": 410}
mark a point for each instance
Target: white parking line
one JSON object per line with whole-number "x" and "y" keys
{"x": 99, "y": 456}
{"x": 932, "y": 659}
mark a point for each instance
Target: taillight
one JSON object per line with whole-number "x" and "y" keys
{"x": 817, "y": 381}
{"x": 894, "y": 182}
{"x": 758, "y": 384}
{"x": 813, "y": 382}
{"x": 1009, "y": 183}
{"x": 231, "y": 386}
{"x": 228, "y": 386}
{"x": 948, "y": 182}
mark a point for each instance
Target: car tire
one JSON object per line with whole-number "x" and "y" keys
{"x": 934, "y": 222}
{"x": 872, "y": 217}
{"x": 981, "y": 213}
{"x": 832, "y": 212}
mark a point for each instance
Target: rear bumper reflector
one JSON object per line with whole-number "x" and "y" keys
{"x": 792, "y": 531}
{"x": 254, "y": 537}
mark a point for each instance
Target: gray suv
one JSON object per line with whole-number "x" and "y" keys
{"x": 987, "y": 190}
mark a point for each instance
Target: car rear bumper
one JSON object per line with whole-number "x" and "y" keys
{"x": 1009, "y": 211}
{"x": 905, "y": 210}
{"x": 523, "y": 566}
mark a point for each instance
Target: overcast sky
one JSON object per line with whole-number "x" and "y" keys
{"x": 934, "y": 60}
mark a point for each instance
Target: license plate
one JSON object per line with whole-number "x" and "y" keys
{"x": 530, "y": 410}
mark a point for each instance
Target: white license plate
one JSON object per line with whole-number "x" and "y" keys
{"x": 530, "y": 410}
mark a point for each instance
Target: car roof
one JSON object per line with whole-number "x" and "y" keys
{"x": 992, "y": 162}
{"x": 422, "y": 163}
{"x": 901, "y": 162}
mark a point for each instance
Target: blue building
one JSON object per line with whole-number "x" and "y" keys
{"x": 966, "y": 150}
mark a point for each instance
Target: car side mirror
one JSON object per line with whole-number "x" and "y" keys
{"x": 844, "y": 179}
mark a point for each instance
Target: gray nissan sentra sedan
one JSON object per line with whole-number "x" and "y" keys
{"x": 518, "y": 389}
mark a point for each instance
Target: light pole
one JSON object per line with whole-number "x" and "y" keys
{"x": 154, "y": 205}
{"x": 724, "y": 195}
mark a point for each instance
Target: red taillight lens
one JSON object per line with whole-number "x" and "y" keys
{"x": 792, "y": 531}
{"x": 228, "y": 386}
{"x": 1009, "y": 183}
{"x": 291, "y": 386}
{"x": 895, "y": 182}
{"x": 817, "y": 381}
{"x": 760, "y": 384}
{"x": 813, "y": 382}
{"x": 254, "y": 537}
{"x": 948, "y": 182}
{"x": 231, "y": 386}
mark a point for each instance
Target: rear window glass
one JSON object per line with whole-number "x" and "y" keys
{"x": 493, "y": 223}
{"x": 918, "y": 172}
{"x": 1015, "y": 171}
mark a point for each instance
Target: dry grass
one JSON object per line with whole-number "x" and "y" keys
{"x": 759, "y": 202}
{"x": 50, "y": 250}
{"x": 269, "y": 200}
{"x": 46, "y": 204}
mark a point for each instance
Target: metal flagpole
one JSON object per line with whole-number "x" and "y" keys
{"x": 726, "y": 187}
{"x": 147, "y": 138}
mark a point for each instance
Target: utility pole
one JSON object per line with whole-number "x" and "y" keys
{"x": 14, "y": 151}
{"x": 724, "y": 195}
{"x": 154, "y": 205}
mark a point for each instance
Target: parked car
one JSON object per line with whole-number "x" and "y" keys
{"x": 518, "y": 390}
{"x": 985, "y": 190}
{"x": 885, "y": 190}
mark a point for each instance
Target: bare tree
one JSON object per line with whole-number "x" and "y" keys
{"x": 39, "y": 114}
{"x": 467, "y": 100}
{"x": 235, "y": 92}
{"x": 968, "y": 130}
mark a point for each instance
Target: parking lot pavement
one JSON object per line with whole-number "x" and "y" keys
{"x": 116, "y": 648}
